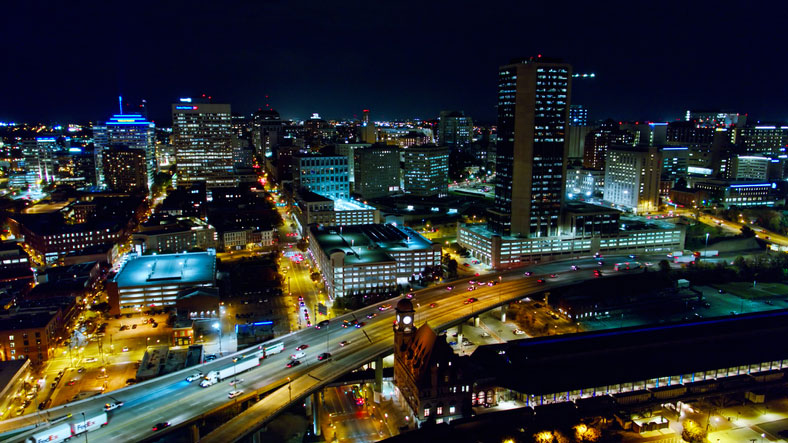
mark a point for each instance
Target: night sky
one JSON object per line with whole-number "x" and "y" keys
{"x": 653, "y": 60}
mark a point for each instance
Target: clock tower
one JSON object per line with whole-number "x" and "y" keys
{"x": 404, "y": 327}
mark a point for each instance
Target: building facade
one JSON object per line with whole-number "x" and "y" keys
{"x": 179, "y": 235}
{"x": 125, "y": 169}
{"x": 369, "y": 258}
{"x": 131, "y": 131}
{"x": 326, "y": 175}
{"x": 455, "y": 129}
{"x": 202, "y": 136}
{"x": 632, "y": 176}
{"x": 426, "y": 171}
{"x": 376, "y": 171}
{"x": 533, "y": 114}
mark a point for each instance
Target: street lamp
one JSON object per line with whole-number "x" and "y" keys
{"x": 218, "y": 326}
{"x": 707, "y": 245}
{"x": 85, "y": 427}
{"x": 289, "y": 389}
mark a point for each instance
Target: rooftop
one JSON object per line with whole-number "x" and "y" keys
{"x": 368, "y": 243}
{"x": 185, "y": 268}
{"x": 606, "y": 356}
{"x": 16, "y": 321}
{"x": 585, "y": 208}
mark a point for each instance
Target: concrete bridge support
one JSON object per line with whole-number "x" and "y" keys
{"x": 316, "y": 413}
{"x": 503, "y": 313}
{"x": 378, "y": 375}
{"x": 459, "y": 333}
{"x": 194, "y": 431}
{"x": 476, "y": 321}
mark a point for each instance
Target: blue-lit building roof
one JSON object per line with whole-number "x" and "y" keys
{"x": 193, "y": 268}
{"x": 129, "y": 119}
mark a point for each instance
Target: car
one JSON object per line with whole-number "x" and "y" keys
{"x": 322, "y": 324}
{"x": 72, "y": 382}
{"x": 154, "y": 325}
{"x": 306, "y": 311}
{"x": 144, "y": 321}
{"x": 409, "y": 295}
{"x": 470, "y": 300}
{"x": 293, "y": 363}
{"x": 433, "y": 305}
{"x": 297, "y": 355}
{"x": 734, "y": 313}
{"x": 472, "y": 282}
{"x": 452, "y": 343}
{"x": 554, "y": 316}
{"x": 210, "y": 357}
{"x": 527, "y": 273}
{"x": 308, "y": 323}
{"x": 632, "y": 256}
{"x": 553, "y": 275}
{"x": 323, "y": 356}
{"x": 91, "y": 360}
{"x": 540, "y": 281}
{"x": 481, "y": 283}
{"x": 384, "y": 307}
{"x": 344, "y": 343}
{"x": 124, "y": 327}
{"x": 360, "y": 324}
{"x": 125, "y": 349}
{"x": 130, "y": 381}
{"x": 518, "y": 332}
{"x": 233, "y": 394}
{"x": 81, "y": 370}
{"x": 721, "y": 291}
{"x": 193, "y": 377}
{"x": 161, "y": 425}
{"x": 111, "y": 406}
{"x": 302, "y": 347}
{"x": 134, "y": 326}
{"x": 372, "y": 315}
{"x": 573, "y": 267}
{"x": 471, "y": 288}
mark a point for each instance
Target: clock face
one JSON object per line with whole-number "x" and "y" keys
{"x": 407, "y": 319}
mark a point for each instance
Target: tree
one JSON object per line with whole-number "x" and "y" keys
{"x": 664, "y": 266}
{"x": 693, "y": 433}
{"x": 747, "y": 232}
{"x": 451, "y": 268}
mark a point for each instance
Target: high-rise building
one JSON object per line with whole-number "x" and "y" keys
{"x": 455, "y": 129}
{"x": 426, "y": 170}
{"x": 632, "y": 177}
{"x": 578, "y": 115}
{"x": 132, "y": 131}
{"x": 202, "y": 135}
{"x": 533, "y": 114}
{"x": 125, "y": 169}
{"x": 675, "y": 163}
{"x": 377, "y": 172}
{"x": 267, "y": 130}
{"x": 752, "y": 167}
{"x": 326, "y": 175}
{"x": 764, "y": 139}
{"x": 366, "y": 131}
{"x": 597, "y": 142}
{"x": 716, "y": 119}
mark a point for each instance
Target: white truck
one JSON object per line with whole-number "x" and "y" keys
{"x": 684, "y": 259}
{"x": 66, "y": 431}
{"x": 214, "y": 377}
{"x": 709, "y": 253}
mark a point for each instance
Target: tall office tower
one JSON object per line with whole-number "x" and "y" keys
{"x": 367, "y": 132}
{"x": 689, "y": 134}
{"x": 125, "y": 169}
{"x": 267, "y": 128}
{"x": 129, "y": 130}
{"x": 675, "y": 163}
{"x": 533, "y": 114}
{"x": 202, "y": 136}
{"x": 716, "y": 119}
{"x": 426, "y": 170}
{"x": 578, "y": 115}
{"x": 632, "y": 177}
{"x": 376, "y": 171}
{"x": 455, "y": 129}
{"x": 40, "y": 156}
{"x": 326, "y": 175}
{"x": 647, "y": 133}
{"x": 597, "y": 142}
{"x": 764, "y": 139}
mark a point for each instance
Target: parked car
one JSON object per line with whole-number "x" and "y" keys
{"x": 323, "y": 356}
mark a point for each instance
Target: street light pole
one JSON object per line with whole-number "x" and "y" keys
{"x": 289, "y": 389}
{"x": 705, "y": 249}
{"x": 85, "y": 427}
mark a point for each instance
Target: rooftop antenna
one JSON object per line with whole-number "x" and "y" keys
{"x": 120, "y": 103}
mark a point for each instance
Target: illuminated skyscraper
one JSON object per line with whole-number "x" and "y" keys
{"x": 202, "y": 135}
{"x": 533, "y": 113}
{"x": 455, "y": 129}
{"x": 131, "y": 131}
{"x": 427, "y": 170}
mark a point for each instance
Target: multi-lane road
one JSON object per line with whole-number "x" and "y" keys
{"x": 171, "y": 398}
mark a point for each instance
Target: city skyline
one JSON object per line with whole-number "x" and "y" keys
{"x": 399, "y": 61}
